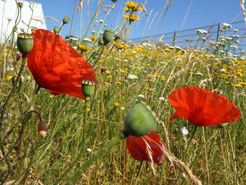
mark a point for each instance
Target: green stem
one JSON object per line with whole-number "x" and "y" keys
{"x": 101, "y": 52}
{"x": 85, "y": 118}
{"x": 60, "y": 28}
{"x": 100, "y": 153}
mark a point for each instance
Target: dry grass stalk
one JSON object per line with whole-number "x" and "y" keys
{"x": 159, "y": 39}
{"x": 144, "y": 9}
{"x": 166, "y": 133}
{"x": 209, "y": 30}
{"x": 109, "y": 6}
{"x": 234, "y": 81}
{"x": 243, "y": 9}
{"x": 47, "y": 17}
{"x": 244, "y": 15}
{"x": 243, "y": 36}
{"x": 181, "y": 166}
{"x": 150, "y": 153}
{"x": 176, "y": 163}
{"x": 169, "y": 4}
{"x": 80, "y": 6}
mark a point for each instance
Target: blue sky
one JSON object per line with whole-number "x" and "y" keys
{"x": 182, "y": 14}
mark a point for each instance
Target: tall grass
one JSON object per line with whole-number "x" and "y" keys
{"x": 215, "y": 155}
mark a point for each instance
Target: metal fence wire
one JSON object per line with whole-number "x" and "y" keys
{"x": 189, "y": 37}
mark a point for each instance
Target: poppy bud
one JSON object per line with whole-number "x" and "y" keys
{"x": 108, "y": 36}
{"x": 100, "y": 41}
{"x": 88, "y": 87}
{"x": 139, "y": 121}
{"x": 42, "y": 129}
{"x": 65, "y": 20}
{"x": 20, "y": 4}
{"x": 25, "y": 43}
{"x": 56, "y": 29}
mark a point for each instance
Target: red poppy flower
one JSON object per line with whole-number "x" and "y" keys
{"x": 56, "y": 66}
{"x": 202, "y": 107}
{"x": 138, "y": 150}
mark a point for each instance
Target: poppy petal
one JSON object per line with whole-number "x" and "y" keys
{"x": 202, "y": 107}
{"x": 56, "y": 66}
{"x": 138, "y": 150}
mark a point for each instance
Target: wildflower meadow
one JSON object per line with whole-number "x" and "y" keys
{"x": 101, "y": 109}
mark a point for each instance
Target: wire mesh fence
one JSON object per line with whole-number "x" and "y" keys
{"x": 192, "y": 39}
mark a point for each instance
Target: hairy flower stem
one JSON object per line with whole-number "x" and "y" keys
{"x": 62, "y": 24}
{"x": 84, "y": 124}
{"x": 12, "y": 92}
{"x": 100, "y": 153}
{"x": 83, "y": 143}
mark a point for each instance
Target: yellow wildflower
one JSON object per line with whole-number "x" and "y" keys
{"x": 133, "y": 7}
{"x": 9, "y": 77}
{"x": 120, "y": 46}
{"x": 122, "y": 71}
{"x": 107, "y": 83}
{"x": 116, "y": 104}
{"x": 127, "y": 9}
{"x": 132, "y": 18}
{"x": 238, "y": 85}
{"x": 243, "y": 83}
{"x": 93, "y": 38}
{"x": 119, "y": 83}
{"x": 83, "y": 47}
{"x": 239, "y": 74}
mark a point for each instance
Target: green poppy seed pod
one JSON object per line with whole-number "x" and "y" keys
{"x": 42, "y": 131}
{"x": 108, "y": 36}
{"x": 100, "y": 41}
{"x": 88, "y": 88}
{"x": 56, "y": 29}
{"x": 65, "y": 20}
{"x": 139, "y": 121}
{"x": 20, "y": 4}
{"x": 25, "y": 43}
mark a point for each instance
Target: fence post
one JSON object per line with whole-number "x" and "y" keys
{"x": 218, "y": 32}
{"x": 174, "y": 38}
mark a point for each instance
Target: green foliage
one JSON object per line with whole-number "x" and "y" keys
{"x": 125, "y": 76}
